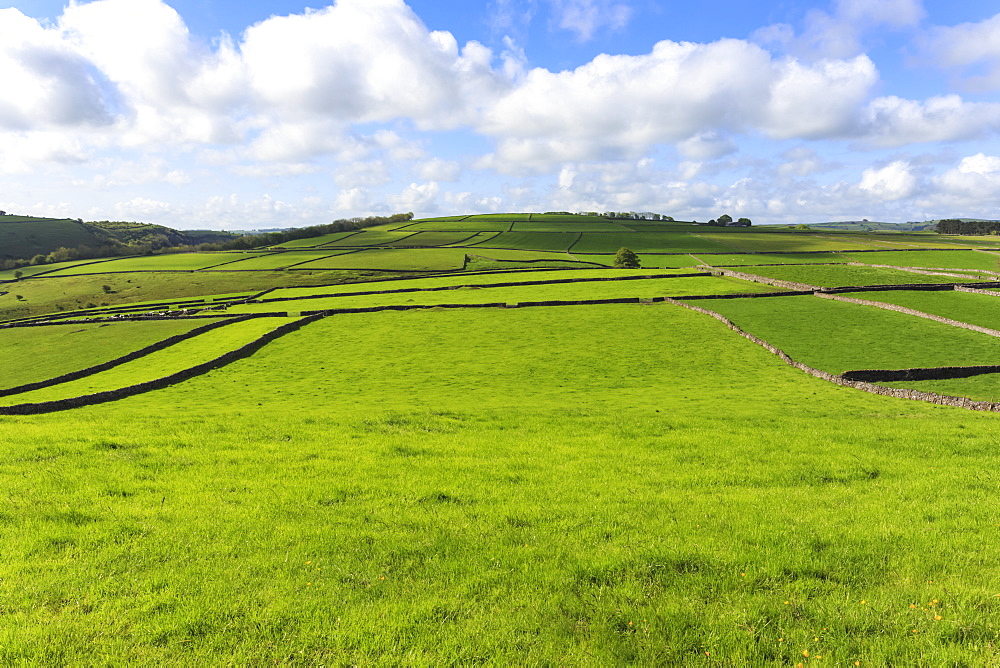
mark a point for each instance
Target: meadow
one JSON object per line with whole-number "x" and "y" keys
{"x": 593, "y": 484}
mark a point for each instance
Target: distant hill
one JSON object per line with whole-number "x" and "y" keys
{"x": 24, "y": 237}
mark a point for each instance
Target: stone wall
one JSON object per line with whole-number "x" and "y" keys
{"x": 134, "y": 355}
{"x": 159, "y": 383}
{"x": 909, "y": 311}
{"x": 899, "y": 393}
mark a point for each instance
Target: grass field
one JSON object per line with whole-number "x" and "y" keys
{"x": 975, "y": 309}
{"x": 417, "y": 516}
{"x": 408, "y": 259}
{"x": 805, "y": 326}
{"x": 829, "y": 277}
{"x": 23, "y": 237}
{"x": 969, "y": 259}
{"x": 183, "y": 355}
{"x": 32, "y": 354}
{"x": 566, "y": 485}
{"x": 541, "y": 241}
{"x": 171, "y": 262}
{"x": 764, "y": 258}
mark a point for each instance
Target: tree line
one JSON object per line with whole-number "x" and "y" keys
{"x": 968, "y": 227}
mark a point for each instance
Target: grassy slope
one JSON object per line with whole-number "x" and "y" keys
{"x": 827, "y": 276}
{"x": 975, "y": 309}
{"x": 413, "y": 514}
{"x": 21, "y": 238}
{"x": 28, "y": 355}
{"x": 838, "y": 337}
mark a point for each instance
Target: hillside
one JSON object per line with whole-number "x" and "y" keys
{"x": 470, "y": 439}
{"x": 24, "y": 237}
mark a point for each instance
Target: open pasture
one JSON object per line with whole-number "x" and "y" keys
{"x": 165, "y": 262}
{"x": 837, "y": 276}
{"x": 313, "y": 242}
{"x": 540, "y": 241}
{"x": 645, "y": 242}
{"x": 470, "y": 225}
{"x": 642, "y": 289}
{"x": 949, "y": 259}
{"x": 747, "y": 259}
{"x": 582, "y": 516}
{"x": 582, "y": 224}
{"x": 159, "y": 364}
{"x": 971, "y": 308}
{"x": 279, "y": 259}
{"x": 434, "y": 239}
{"x": 783, "y": 240}
{"x": 371, "y": 237}
{"x": 402, "y": 259}
{"x": 645, "y": 260}
{"x": 813, "y": 331}
{"x": 33, "y": 354}
{"x": 23, "y": 237}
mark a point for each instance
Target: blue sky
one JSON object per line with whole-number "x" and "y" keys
{"x": 225, "y": 114}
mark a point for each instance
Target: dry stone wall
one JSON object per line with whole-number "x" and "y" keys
{"x": 960, "y": 402}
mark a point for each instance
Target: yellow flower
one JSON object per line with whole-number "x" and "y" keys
{"x": 937, "y": 618}
{"x": 805, "y": 653}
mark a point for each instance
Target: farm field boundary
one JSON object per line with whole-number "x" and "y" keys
{"x": 899, "y": 393}
{"x": 134, "y": 355}
{"x": 113, "y": 395}
{"x": 920, "y": 373}
{"x": 909, "y": 311}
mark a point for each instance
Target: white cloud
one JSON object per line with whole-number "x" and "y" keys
{"x": 966, "y": 46}
{"x": 706, "y": 146}
{"x": 46, "y": 83}
{"x": 892, "y": 182}
{"x": 893, "y": 121}
{"x": 416, "y": 197}
{"x": 585, "y": 17}
{"x": 437, "y": 169}
{"x": 839, "y": 34}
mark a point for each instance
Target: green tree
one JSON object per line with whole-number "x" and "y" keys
{"x": 725, "y": 219}
{"x": 626, "y": 259}
{"x": 18, "y": 274}
{"x": 744, "y": 221}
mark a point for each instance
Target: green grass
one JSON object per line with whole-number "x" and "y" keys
{"x": 313, "y": 242}
{"x": 975, "y": 309}
{"x": 403, "y": 259}
{"x": 166, "y": 262}
{"x": 459, "y": 226}
{"x": 837, "y": 337}
{"x": 178, "y": 357}
{"x": 649, "y": 242}
{"x": 834, "y": 276}
{"x": 540, "y": 241}
{"x": 436, "y": 239}
{"x": 645, "y": 260}
{"x": 586, "y": 224}
{"x": 32, "y": 354}
{"x": 644, "y": 289}
{"x": 932, "y": 259}
{"x": 280, "y": 259}
{"x": 985, "y": 387}
{"x": 24, "y": 237}
{"x": 763, "y": 241}
{"x": 408, "y": 512}
{"x": 371, "y": 237}
{"x": 783, "y": 258}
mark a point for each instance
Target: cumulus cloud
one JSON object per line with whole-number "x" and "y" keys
{"x": 621, "y": 105}
{"x": 894, "y": 121}
{"x": 965, "y": 47}
{"x": 894, "y": 181}
{"x": 46, "y": 83}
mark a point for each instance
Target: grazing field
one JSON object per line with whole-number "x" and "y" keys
{"x": 180, "y": 356}
{"x": 830, "y": 277}
{"x": 969, "y": 259}
{"x": 641, "y": 289}
{"x": 541, "y": 241}
{"x": 171, "y": 262}
{"x": 808, "y": 329}
{"x": 408, "y": 259}
{"x": 787, "y": 241}
{"x": 646, "y": 242}
{"x": 33, "y": 354}
{"x": 582, "y": 516}
{"x": 975, "y": 309}
{"x": 587, "y": 484}
{"x": 22, "y": 236}
{"x": 776, "y": 258}
{"x": 313, "y": 242}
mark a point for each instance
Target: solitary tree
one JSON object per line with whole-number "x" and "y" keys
{"x": 725, "y": 219}
{"x": 626, "y": 259}
{"x": 744, "y": 221}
